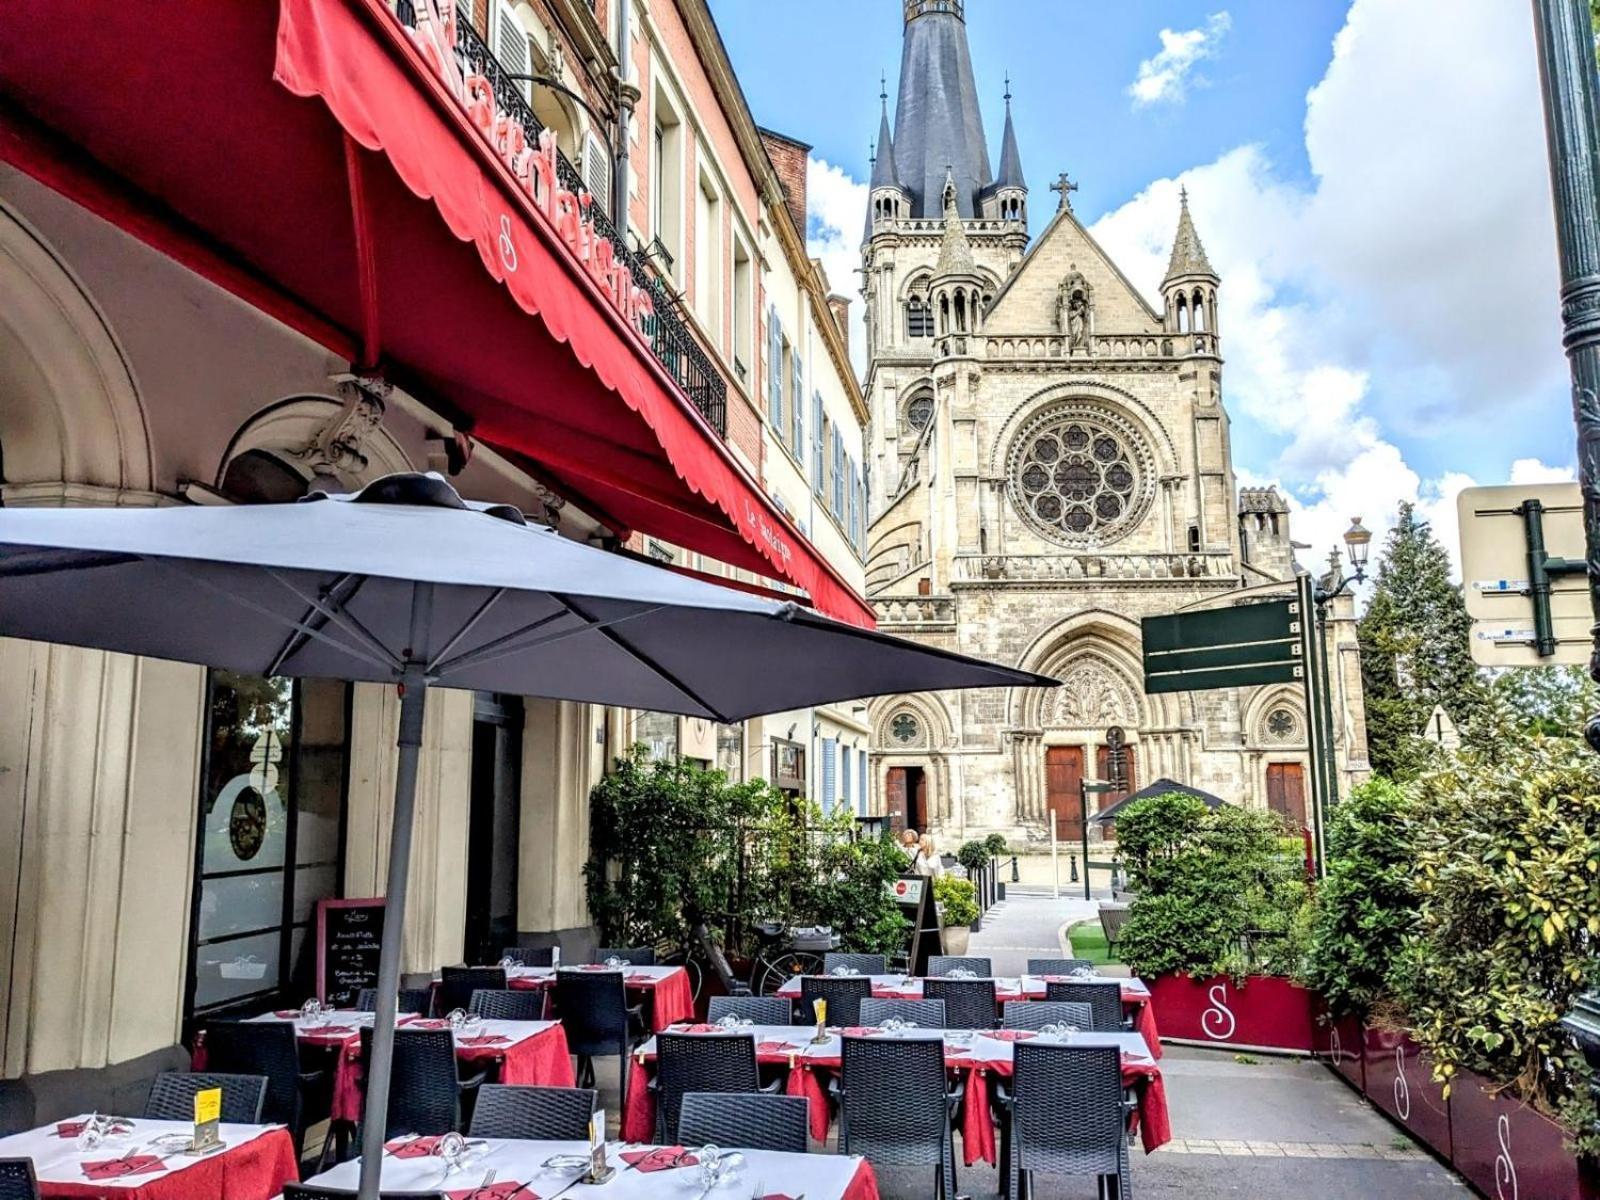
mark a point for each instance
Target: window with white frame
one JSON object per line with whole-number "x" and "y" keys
{"x": 708, "y": 260}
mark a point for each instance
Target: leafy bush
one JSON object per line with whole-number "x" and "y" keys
{"x": 1367, "y": 903}
{"x": 957, "y": 900}
{"x": 671, "y": 843}
{"x": 995, "y": 843}
{"x": 1508, "y": 864}
{"x": 1216, "y": 892}
{"x": 973, "y": 855}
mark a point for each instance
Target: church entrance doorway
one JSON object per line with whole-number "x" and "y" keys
{"x": 1063, "y": 773}
{"x": 1130, "y": 782}
{"x": 1286, "y": 794}
{"x": 907, "y": 792}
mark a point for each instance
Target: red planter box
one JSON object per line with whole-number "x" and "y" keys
{"x": 1399, "y": 1080}
{"x": 1264, "y": 1012}
{"x": 1509, "y": 1151}
{"x": 1339, "y": 1044}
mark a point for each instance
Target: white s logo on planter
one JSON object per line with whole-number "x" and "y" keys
{"x": 1402, "y": 1086}
{"x": 1505, "y": 1171}
{"x": 1217, "y": 1021}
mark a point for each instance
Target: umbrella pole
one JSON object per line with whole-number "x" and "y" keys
{"x": 413, "y": 699}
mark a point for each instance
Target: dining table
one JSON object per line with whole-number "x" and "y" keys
{"x": 1136, "y": 999}
{"x": 143, "y": 1159}
{"x": 666, "y": 988}
{"x": 525, "y": 1052}
{"x": 496, "y": 1169}
{"x": 976, "y": 1057}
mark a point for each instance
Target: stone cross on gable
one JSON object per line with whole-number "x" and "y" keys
{"x": 1066, "y": 187}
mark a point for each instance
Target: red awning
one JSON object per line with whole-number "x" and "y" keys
{"x": 310, "y": 161}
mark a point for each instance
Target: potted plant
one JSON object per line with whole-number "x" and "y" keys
{"x": 957, "y": 901}
{"x": 995, "y": 843}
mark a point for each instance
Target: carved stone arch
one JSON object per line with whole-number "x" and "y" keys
{"x": 72, "y": 423}
{"x": 934, "y": 731}
{"x": 335, "y": 440}
{"x": 1114, "y": 644}
{"x": 919, "y": 282}
{"x": 1116, "y": 400}
{"x": 913, "y": 396}
{"x": 1263, "y": 722}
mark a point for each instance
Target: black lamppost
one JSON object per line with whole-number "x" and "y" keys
{"x": 1357, "y": 545}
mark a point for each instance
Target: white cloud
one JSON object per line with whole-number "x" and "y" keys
{"x": 1407, "y": 292}
{"x": 837, "y": 213}
{"x": 1166, "y": 77}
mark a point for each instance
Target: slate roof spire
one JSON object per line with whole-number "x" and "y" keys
{"x": 937, "y": 122}
{"x": 884, "y": 171}
{"x": 1188, "y": 255}
{"x": 1010, "y": 174}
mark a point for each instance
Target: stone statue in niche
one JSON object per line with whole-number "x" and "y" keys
{"x": 1072, "y": 310}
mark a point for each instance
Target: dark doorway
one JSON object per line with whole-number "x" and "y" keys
{"x": 1286, "y": 794}
{"x": 1130, "y": 782}
{"x": 1063, "y": 773}
{"x": 492, "y": 837}
{"x": 906, "y": 791}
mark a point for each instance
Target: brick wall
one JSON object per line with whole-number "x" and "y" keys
{"x": 744, "y": 427}
{"x": 789, "y": 160}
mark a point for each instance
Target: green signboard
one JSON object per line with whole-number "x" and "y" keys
{"x": 1224, "y": 647}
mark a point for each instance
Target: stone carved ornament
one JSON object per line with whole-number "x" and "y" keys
{"x": 1093, "y": 695}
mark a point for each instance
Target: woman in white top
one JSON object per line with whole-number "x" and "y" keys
{"x": 928, "y": 861}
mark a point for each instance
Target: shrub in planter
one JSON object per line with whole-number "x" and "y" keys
{"x": 973, "y": 855}
{"x": 1367, "y": 903}
{"x": 958, "y": 909}
{"x": 995, "y": 843}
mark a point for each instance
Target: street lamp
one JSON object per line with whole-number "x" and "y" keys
{"x": 1357, "y": 545}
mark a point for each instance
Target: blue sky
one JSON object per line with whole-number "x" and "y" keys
{"x": 1380, "y": 215}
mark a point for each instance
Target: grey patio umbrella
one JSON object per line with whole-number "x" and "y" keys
{"x": 404, "y": 582}
{"x": 1160, "y": 787}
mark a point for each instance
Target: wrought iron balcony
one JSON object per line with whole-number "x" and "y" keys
{"x": 670, "y": 338}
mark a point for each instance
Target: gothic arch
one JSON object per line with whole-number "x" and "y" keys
{"x": 71, "y": 419}
{"x": 1260, "y": 707}
{"x": 935, "y": 731}
{"x": 1103, "y": 648}
{"x": 1122, "y": 403}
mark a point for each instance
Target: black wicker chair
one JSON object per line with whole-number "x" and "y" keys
{"x": 594, "y": 1012}
{"x": 758, "y": 1122}
{"x": 867, "y": 964}
{"x": 507, "y": 1005}
{"x": 844, "y": 994}
{"x": 413, "y": 1001}
{"x": 687, "y": 1062}
{"x": 894, "y": 1106}
{"x": 533, "y": 1113}
{"x": 1058, "y": 966}
{"x": 312, "y": 1191}
{"x": 530, "y": 956}
{"x": 426, "y": 1094}
{"x": 17, "y": 1181}
{"x": 929, "y": 1014}
{"x": 1104, "y": 997}
{"x": 968, "y": 1003}
{"x": 943, "y": 964}
{"x": 456, "y": 985}
{"x": 172, "y": 1096}
{"x": 1036, "y": 1014}
{"x": 763, "y": 1010}
{"x": 297, "y": 1097}
{"x": 1066, "y": 1117}
{"x": 634, "y": 956}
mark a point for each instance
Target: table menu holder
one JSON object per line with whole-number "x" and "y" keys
{"x": 207, "y": 1118}
{"x": 820, "y": 1008}
{"x": 600, "y": 1171}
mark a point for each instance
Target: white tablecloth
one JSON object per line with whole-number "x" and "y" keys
{"x": 58, "y": 1160}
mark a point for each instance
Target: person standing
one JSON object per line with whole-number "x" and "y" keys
{"x": 927, "y": 861}
{"x": 909, "y": 844}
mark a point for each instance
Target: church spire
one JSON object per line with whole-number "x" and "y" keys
{"x": 1010, "y": 174}
{"x": 955, "y": 253}
{"x": 938, "y": 124}
{"x": 1188, "y": 255}
{"x": 884, "y": 171}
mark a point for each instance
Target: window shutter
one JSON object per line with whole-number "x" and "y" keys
{"x": 861, "y": 800}
{"x": 817, "y": 443}
{"x": 838, "y": 473}
{"x": 799, "y": 395}
{"x": 775, "y": 372}
{"x": 844, "y": 776}
{"x": 597, "y": 172}
{"x": 829, "y": 745}
{"x": 511, "y": 44}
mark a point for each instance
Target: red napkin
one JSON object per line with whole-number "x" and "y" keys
{"x": 331, "y": 1031}
{"x": 776, "y": 1048}
{"x": 69, "y": 1129}
{"x": 121, "y": 1168}
{"x": 495, "y": 1191}
{"x": 663, "y": 1158}
{"x": 697, "y": 1028}
{"x": 486, "y": 1039}
{"x": 954, "y": 1051}
{"x": 429, "y": 1023}
{"x": 860, "y": 1031}
{"x": 596, "y": 967}
{"x": 421, "y": 1147}
{"x": 777, "y": 1196}
{"x": 641, "y": 977}
{"x": 1011, "y": 1035}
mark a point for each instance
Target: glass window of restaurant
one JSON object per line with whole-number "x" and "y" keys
{"x": 271, "y": 837}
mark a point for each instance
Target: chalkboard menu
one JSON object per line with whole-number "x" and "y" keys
{"x": 349, "y": 939}
{"x": 914, "y": 895}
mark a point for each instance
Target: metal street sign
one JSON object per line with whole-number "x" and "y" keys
{"x": 1223, "y": 647}
{"x": 1522, "y": 568}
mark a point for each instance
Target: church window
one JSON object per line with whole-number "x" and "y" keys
{"x": 904, "y": 729}
{"x": 1082, "y": 476}
{"x": 1282, "y": 726}
{"x": 919, "y": 318}
{"x": 919, "y": 412}
{"x": 1194, "y": 539}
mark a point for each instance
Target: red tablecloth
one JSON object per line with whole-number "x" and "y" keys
{"x": 864, "y": 1184}
{"x": 670, "y": 996}
{"x": 976, "y": 1124}
{"x": 253, "y": 1170}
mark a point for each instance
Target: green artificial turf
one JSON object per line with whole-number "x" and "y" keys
{"x": 1088, "y": 940}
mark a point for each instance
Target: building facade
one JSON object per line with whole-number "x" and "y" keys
{"x": 1050, "y": 462}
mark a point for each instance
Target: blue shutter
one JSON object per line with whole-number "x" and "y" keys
{"x": 775, "y": 372}
{"x": 844, "y": 777}
{"x": 861, "y": 800}
{"x": 817, "y": 444}
{"x": 828, "y": 747}
{"x": 850, "y": 498}
{"x": 838, "y": 473}
{"x": 799, "y": 397}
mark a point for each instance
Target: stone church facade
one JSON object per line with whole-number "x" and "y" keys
{"x": 1050, "y": 462}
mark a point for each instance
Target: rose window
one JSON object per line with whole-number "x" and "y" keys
{"x": 904, "y": 728}
{"x": 1080, "y": 476}
{"x": 919, "y": 412}
{"x": 1282, "y": 726}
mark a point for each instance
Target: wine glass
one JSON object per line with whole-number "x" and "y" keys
{"x": 457, "y": 1019}
{"x": 451, "y": 1148}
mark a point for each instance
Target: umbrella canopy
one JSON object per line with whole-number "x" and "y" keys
{"x": 1160, "y": 787}
{"x": 406, "y": 582}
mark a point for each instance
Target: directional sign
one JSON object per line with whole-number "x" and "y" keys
{"x": 1503, "y": 530}
{"x": 1223, "y": 647}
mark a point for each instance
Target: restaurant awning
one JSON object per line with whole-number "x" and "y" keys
{"x": 320, "y": 161}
